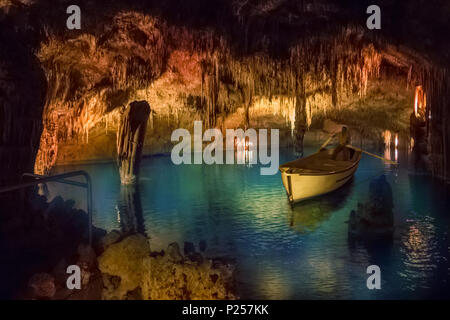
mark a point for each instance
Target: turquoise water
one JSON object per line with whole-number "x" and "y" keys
{"x": 282, "y": 252}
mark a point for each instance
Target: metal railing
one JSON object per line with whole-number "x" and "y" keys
{"x": 60, "y": 178}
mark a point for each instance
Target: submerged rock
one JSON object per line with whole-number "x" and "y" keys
{"x": 202, "y": 245}
{"x": 173, "y": 252}
{"x": 374, "y": 218}
{"x": 188, "y": 248}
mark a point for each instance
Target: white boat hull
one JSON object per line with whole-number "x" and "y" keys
{"x": 301, "y": 187}
{"x": 304, "y": 185}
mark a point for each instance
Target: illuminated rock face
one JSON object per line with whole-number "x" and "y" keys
{"x": 130, "y": 269}
{"x": 196, "y": 76}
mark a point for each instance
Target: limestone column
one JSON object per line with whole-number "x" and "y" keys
{"x": 130, "y": 140}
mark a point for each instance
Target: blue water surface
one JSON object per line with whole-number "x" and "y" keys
{"x": 282, "y": 251}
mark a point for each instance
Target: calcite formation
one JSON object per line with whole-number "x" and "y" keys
{"x": 217, "y": 67}
{"x": 130, "y": 140}
{"x": 131, "y": 271}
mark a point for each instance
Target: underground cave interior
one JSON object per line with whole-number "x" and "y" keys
{"x": 291, "y": 65}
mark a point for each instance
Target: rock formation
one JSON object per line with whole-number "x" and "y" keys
{"x": 420, "y": 158}
{"x": 374, "y": 218}
{"x": 189, "y": 67}
{"x": 132, "y": 271}
{"x": 130, "y": 140}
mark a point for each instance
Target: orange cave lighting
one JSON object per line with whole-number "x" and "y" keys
{"x": 420, "y": 102}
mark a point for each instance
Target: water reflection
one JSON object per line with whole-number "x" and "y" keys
{"x": 425, "y": 243}
{"x": 129, "y": 210}
{"x": 308, "y": 215}
{"x": 284, "y": 252}
{"x": 419, "y": 245}
{"x": 387, "y": 144}
{"x": 391, "y": 144}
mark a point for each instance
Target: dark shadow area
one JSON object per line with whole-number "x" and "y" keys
{"x": 37, "y": 238}
{"x": 417, "y": 24}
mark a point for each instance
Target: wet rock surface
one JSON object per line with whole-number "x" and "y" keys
{"x": 109, "y": 239}
{"x": 131, "y": 271}
{"x": 374, "y": 218}
{"x": 420, "y": 162}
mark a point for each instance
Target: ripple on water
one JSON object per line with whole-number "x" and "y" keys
{"x": 420, "y": 251}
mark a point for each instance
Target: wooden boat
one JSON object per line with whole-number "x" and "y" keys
{"x": 317, "y": 174}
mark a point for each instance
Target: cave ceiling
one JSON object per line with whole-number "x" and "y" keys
{"x": 212, "y": 57}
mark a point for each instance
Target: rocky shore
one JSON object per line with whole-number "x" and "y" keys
{"x": 40, "y": 243}
{"x": 130, "y": 270}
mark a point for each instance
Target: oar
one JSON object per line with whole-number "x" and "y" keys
{"x": 371, "y": 154}
{"x": 327, "y": 142}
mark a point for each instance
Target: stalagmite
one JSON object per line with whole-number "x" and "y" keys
{"x": 130, "y": 140}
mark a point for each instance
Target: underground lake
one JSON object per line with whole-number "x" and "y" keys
{"x": 282, "y": 251}
{"x": 332, "y": 117}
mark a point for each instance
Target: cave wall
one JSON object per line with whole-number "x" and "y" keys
{"x": 22, "y": 98}
{"x": 438, "y": 105}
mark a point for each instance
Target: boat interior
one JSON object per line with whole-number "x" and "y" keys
{"x": 321, "y": 162}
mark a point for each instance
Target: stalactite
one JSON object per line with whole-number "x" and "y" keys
{"x": 300, "y": 112}
{"x": 210, "y": 76}
{"x": 334, "y": 81}
{"x": 329, "y": 68}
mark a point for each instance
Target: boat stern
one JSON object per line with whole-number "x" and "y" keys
{"x": 287, "y": 183}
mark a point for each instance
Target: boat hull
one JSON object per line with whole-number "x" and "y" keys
{"x": 301, "y": 187}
